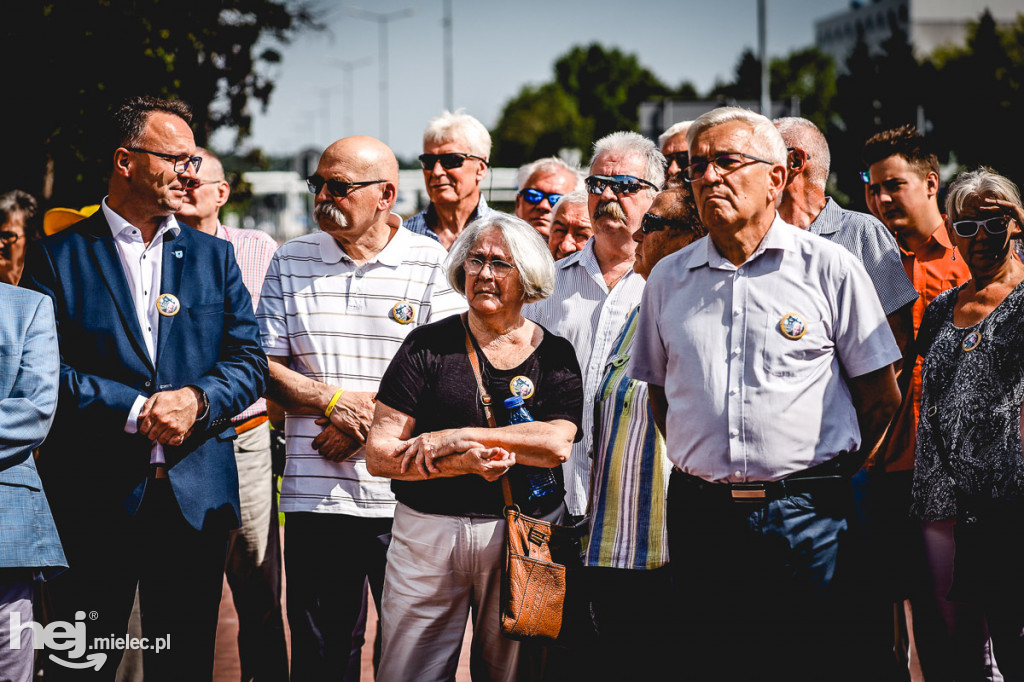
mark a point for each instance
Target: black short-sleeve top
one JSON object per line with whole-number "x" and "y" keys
{"x": 431, "y": 380}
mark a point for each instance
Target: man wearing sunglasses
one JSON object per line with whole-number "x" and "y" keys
{"x": 673, "y": 145}
{"x": 454, "y": 161}
{"x": 253, "y": 568}
{"x": 596, "y": 288}
{"x": 542, "y": 184}
{"x": 769, "y": 366}
{"x": 903, "y": 182}
{"x": 159, "y": 349}
{"x": 335, "y": 307}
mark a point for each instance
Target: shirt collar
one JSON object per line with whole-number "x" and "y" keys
{"x": 391, "y": 255}
{"x": 118, "y": 225}
{"x": 828, "y": 220}
{"x": 780, "y": 237}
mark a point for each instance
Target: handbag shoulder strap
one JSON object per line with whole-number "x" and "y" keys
{"x": 485, "y": 399}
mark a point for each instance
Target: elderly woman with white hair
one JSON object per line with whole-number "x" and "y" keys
{"x": 430, "y": 435}
{"x": 456, "y": 147}
{"x": 969, "y": 462}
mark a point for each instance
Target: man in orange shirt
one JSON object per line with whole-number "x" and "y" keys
{"x": 903, "y": 185}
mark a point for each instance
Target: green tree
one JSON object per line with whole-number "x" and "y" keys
{"x": 71, "y": 61}
{"x": 539, "y": 122}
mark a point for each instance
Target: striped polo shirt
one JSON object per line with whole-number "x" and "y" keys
{"x": 341, "y": 323}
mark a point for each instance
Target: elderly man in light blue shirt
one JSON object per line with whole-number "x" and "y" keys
{"x": 769, "y": 363}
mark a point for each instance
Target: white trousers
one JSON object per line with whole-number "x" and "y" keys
{"x": 440, "y": 568}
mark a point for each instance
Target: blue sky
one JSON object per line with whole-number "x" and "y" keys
{"x": 498, "y": 48}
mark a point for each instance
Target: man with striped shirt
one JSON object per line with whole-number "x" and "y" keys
{"x": 253, "y": 566}
{"x": 336, "y": 306}
{"x": 596, "y": 288}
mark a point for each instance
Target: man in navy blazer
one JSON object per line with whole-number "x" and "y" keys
{"x": 158, "y": 350}
{"x": 29, "y": 546}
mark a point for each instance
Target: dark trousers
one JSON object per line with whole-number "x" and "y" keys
{"x": 177, "y": 569}
{"x": 256, "y": 591}
{"x": 329, "y": 558}
{"x": 757, "y": 584}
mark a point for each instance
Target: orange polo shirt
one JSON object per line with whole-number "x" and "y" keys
{"x": 931, "y": 270}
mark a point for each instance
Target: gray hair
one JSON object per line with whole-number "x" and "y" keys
{"x": 575, "y": 198}
{"x": 550, "y": 164}
{"x": 629, "y": 143}
{"x": 17, "y": 202}
{"x": 525, "y": 245}
{"x": 977, "y": 183}
{"x": 766, "y": 140}
{"x": 799, "y": 132}
{"x": 672, "y": 131}
{"x": 449, "y": 127}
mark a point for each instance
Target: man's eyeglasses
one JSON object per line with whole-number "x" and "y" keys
{"x": 682, "y": 159}
{"x": 448, "y": 161}
{"x": 6, "y": 236}
{"x": 194, "y": 183}
{"x": 969, "y": 228}
{"x": 535, "y": 196}
{"x": 181, "y": 161}
{"x": 619, "y": 184}
{"x": 337, "y": 188}
{"x": 656, "y": 223}
{"x": 726, "y": 163}
{"x": 499, "y": 268}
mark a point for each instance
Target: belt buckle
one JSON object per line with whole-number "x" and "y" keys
{"x": 748, "y": 492}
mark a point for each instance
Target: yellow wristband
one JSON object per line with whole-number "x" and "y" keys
{"x": 334, "y": 401}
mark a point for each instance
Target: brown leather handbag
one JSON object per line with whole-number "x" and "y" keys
{"x": 537, "y": 557}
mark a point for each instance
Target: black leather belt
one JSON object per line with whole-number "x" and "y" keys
{"x": 818, "y": 478}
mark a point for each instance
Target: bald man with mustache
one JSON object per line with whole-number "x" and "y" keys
{"x": 336, "y": 305}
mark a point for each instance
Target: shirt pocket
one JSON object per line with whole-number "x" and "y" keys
{"x": 794, "y": 343}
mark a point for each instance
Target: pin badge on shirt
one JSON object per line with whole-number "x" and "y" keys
{"x": 792, "y": 326}
{"x": 521, "y": 386}
{"x": 178, "y": 254}
{"x": 403, "y": 312}
{"x": 168, "y": 305}
{"x": 971, "y": 341}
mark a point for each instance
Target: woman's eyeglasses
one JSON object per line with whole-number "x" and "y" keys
{"x": 994, "y": 226}
{"x": 499, "y": 268}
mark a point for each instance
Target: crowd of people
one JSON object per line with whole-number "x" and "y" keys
{"x": 789, "y": 433}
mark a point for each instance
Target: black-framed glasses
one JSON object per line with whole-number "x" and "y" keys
{"x": 619, "y": 184}
{"x": 535, "y": 196}
{"x": 682, "y": 159}
{"x": 7, "y": 236}
{"x": 449, "y": 160}
{"x": 499, "y": 268}
{"x": 726, "y": 163}
{"x": 656, "y": 223}
{"x": 181, "y": 161}
{"x": 196, "y": 182}
{"x": 337, "y": 188}
{"x": 994, "y": 226}
{"x": 865, "y": 176}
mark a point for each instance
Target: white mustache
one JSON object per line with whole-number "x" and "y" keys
{"x": 329, "y": 211}
{"x": 611, "y": 208}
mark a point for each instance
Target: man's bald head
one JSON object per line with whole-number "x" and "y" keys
{"x": 363, "y": 155}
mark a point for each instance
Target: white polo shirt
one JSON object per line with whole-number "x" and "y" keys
{"x": 753, "y": 357}
{"x": 336, "y": 322}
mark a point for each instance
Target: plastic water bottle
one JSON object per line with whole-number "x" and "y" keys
{"x": 540, "y": 481}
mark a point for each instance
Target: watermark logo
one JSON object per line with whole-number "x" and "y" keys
{"x": 71, "y": 639}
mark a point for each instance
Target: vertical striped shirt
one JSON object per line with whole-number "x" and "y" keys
{"x": 584, "y": 310}
{"x": 253, "y": 251}
{"x": 341, "y": 323}
{"x": 629, "y": 479}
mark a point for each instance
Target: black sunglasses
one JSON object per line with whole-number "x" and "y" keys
{"x": 656, "y": 223}
{"x": 969, "y": 228}
{"x": 181, "y": 161}
{"x": 337, "y": 188}
{"x": 448, "y": 160}
{"x": 619, "y": 184}
{"x": 535, "y": 196}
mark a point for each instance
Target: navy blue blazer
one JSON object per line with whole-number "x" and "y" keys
{"x": 28, "y": 397}
{"x": 88, "y": 462}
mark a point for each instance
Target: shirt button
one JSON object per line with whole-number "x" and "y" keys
{"x": 736, "y": 351}
{"x": 148, "y": 384}
{"x": 734, "y": 433}
{"x": 732, "y": 391}
{"x": 736, "y": 313}
{"x": 739, "y": 474}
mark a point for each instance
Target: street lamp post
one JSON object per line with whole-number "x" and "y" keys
{"x": 382, "y": 19}
{"x": 347, "y": 67}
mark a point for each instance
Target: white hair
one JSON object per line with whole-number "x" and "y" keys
{"x": 551, "y": 165}
{"x": 799, "y": 132}
{"x": 458, "y": 126}
{"x": 980, "y": 182}
{"x": 527, "y": 248}
{"x": 766, "y": 140}
{"x": 672, "y": 131}
{"x": 576, "y": 198}
{"x": 629, "y": 143}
